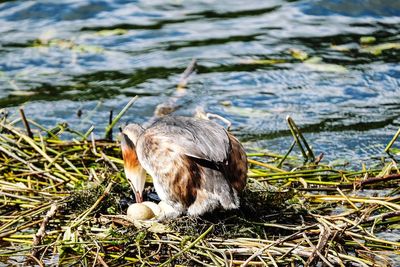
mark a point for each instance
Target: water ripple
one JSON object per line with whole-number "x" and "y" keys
{"x": 59, "y": 57}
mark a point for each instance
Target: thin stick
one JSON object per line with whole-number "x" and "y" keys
{"x": 86, "y": 213}
{"x": 293, "y": 125}
{"x": 31, "y": 166}
{"x": 50, "y": 133}
{"x": 271, "y": 258}
{"x": 37, "y": 239}
{"x": 315, "y": 251}
{"x": 392, "y": 141}
{"x": 94, "y": 150}
{"x": 266, "y": 165}
{"x": 118, "y": 117}
{"x": 379, "y": 179}
{"x": 26, "y": 123}
{"x": 109, "y": 161}
{"x": 110, "y": 133}
{"x": 88, "y": 132}
{"x": 201, "y": 237}
{"x": 356, "y": 199}
{"x": 279, "y": 241}
{"x": 287, "y": 154}
{"x": 348, "y": 200}
{"x": 295, "y": 136}
{"x": 33, "y": 144}
{"x": 34, "y": 259}
{"x": 382, "y": 216}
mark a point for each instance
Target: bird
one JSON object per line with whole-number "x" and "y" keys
{"x": 197, "y": 166}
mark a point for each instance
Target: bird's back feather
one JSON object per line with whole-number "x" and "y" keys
{"x": 191, "y": 161}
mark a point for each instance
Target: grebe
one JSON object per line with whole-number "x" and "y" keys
{"x": 196, "y": 165}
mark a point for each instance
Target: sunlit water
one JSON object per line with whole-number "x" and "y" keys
{"x": 58, "y": 57}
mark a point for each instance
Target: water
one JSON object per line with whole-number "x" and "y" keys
{"x": 58, "y": 57}
{"x": 95, "y": 55}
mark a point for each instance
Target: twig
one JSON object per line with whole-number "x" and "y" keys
{"x": 26, "y": 123}
{"x": 324, "y": 235}
{"x": 109, "y": 161}
{"x": 118, "y": 117}
{"x": 37, "y": 239}
{"x": 94, "y": 150}
{"x": 348, "y": 200}
{"x": 188, "y": 247}
{"x": 33, "y": 144}
{"x": 271, "y": 258}
{"x": 81, "y": 218}
{"x": 110, "y": 133}
{"x": 369, "y": 200}
{"x": 98, "y": 258}
{"x": 387, "y": 148}
{"x": 266, "y": 165}
{"x": 49, "y": 133}
{"x": 382, "y": 216}
{"x": 373, "y": 180}
{"x": 88, "y": 132}
{"x": 279, "y": 241}
{"x": 297, "y": 134}
{"x": 287, "y": 154}
{"x": 34, "y": 259}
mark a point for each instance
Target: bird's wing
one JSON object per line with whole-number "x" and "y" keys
{"x": 181, "y": 155}
{"x": 196, "y": 138}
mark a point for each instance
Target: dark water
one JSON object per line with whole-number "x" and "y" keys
{"x": 58, "y": 57}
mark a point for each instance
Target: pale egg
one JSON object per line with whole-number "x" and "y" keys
{"x": 153, "y": 206}
{"x": 139, "y": 211}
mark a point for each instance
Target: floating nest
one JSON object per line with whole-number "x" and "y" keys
{"x": 63, "y": 203}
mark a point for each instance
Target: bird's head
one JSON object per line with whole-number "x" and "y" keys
{"x": 134, "y": 172}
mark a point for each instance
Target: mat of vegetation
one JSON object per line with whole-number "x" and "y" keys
{"x": 63, "y": 203}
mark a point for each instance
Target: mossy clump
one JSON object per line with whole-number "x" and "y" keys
{"x": 115, "y": 202}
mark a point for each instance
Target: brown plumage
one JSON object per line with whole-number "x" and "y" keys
{"x": 196, "y": 165}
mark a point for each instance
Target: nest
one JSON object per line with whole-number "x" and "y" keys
{"x": 63, "y": 203}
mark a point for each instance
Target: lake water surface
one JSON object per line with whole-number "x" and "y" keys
{"x": 331, "y": 65}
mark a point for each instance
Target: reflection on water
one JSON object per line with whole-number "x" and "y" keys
{"x": 331, "y": 65}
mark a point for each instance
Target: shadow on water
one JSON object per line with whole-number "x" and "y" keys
{"x": 199, "y": 16}
{"x": 92, "y": 86}
{"x": 113, "y": 50}
{"x": 329, "y": 125}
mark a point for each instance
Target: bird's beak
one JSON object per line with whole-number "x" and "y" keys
{"x": 134, "y": 172}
